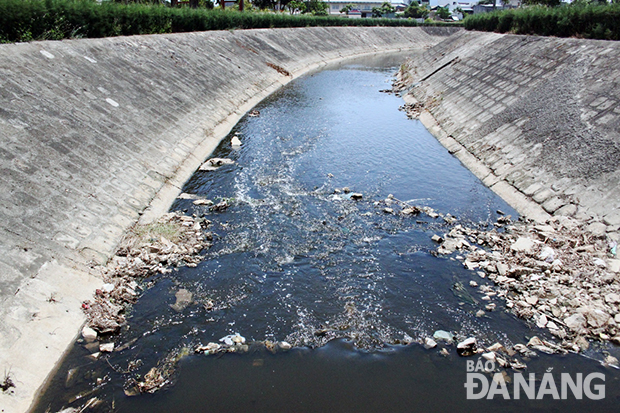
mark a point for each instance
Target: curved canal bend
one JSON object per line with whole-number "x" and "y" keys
{"x": 295, "y": 259}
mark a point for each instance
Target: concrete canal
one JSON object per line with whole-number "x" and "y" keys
{"x": 321, "y": 281}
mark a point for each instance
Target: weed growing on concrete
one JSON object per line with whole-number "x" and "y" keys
{"x": 7, "y": 382}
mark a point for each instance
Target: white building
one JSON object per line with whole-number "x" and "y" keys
{"x": 361, "y": 8}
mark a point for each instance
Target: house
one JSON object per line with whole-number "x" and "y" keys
{"x": 361, "y": 8}
{"x": 499, "y": 5}
{"x": 400, "y": 6}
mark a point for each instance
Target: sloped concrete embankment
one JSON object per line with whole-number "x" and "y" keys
{"x": 537, "y": 119}
{"x": 92, "y": 131}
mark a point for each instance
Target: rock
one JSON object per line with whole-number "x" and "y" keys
{"x": 567, "y": 210}
{"x": 89, "y": 334}
{"x": 480, "y": 313}
{"x": 283, "y": 345}
{"x": 542, "y": 321}
{"x": 470, "y": 265}
{"x": 535, "y": 341}
{"x": 441, "y": 335}
{"x": 210, "y": 348}
{"x": 613, "y": 265}
{"x": 531, "y": 300}
{"x": 502, "y": 269}
{"x": 183, "y": 299}
{"x": 467, "y": 347}
{"x": 220, "y": 161}
{"x": 214, "y": 163}
{"x": 599, "y": 262}
{"x": 611, "y": 361}
{"x": 472, "y": 283}
{"x": 108, "y": 288}
{"x": 523, "y": 244}
{"x": 557, "y": 265}
{"x": 235, "y": 141}
{"x": 547, "y": 254}
{"x": 410, "y": 211}
{"x": 232, "y": 339}
{"x": 496, "y": 347}
{"x": 612, "y": 298}
{"x": 356, "y": 196}
{"x": 444, "y": 352}
{"x": 72, "y": 375}
{"x": 437, "y": 239}
{"x": 490, "y": 307}
{"x": 346, "y": 190}
{"x": 544, "y": 349}
{"x": 185, "y": 195}
{"x": 387, "y": 210}
{"x": 582, "y": 343}
{"x": 597, "y": 318}
{"x": 490, "y": 356}
{"x": 449, "y": 219}
{"x": 575, "y": 322}
{"x": 597, "y": 229}
{"x": 106, "y": 347}
{"x": 429, "y": 343}
{"x": 200, "y": 202}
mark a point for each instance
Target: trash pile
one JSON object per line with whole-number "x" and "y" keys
{"x": 157, "y": 377}
{"x": 236, "y": 343}
{"x": 558, "y": 275}
{"x": 174, "y": 240}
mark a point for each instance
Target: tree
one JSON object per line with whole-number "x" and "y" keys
{"x": 415, "y": 11}
{"x": 316, "y": 7}
{"x": 296, "y": 6}
{"x": 386, "y": 8}
{"x": 548, "y": 3}
{"x": 264, "y": 4}
{"x": 346, "y": 9}
{"x": 443, "y": 12}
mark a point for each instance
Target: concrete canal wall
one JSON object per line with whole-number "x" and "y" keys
{"x": 536, "y": 118}
{"x": 95, "y": 133}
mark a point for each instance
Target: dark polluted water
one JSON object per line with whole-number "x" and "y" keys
{"x": 344, "y": 282}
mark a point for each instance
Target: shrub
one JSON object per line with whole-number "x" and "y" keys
{"x": 25, "y": 20}
{"x": 592, "y": 21}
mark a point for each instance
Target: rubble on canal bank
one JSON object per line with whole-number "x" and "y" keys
{"x": 173, "y": 240}
{"x": 559, "y": 275}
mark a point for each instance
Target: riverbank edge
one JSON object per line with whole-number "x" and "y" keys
{"x": 51, "y": 298}
{"x": 533, "y": 117}
{"x": 515, "y": 198}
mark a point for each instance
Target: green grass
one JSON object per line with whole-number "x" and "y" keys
{"x": 589, "y": 22}
{"x": 26, "y": 20}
